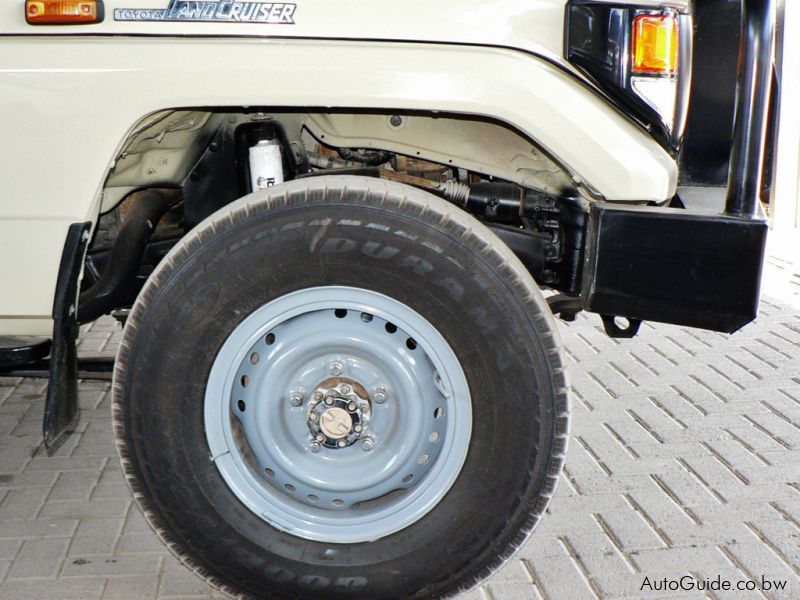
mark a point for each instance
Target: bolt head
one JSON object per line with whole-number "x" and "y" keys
{"x": 315, "y": 447}
{"x": 313, "y": 416}
{"x": 396, "y": 120}
{"x": 342, "y": 443}
{"x": 320, "y": 437}
{"x": 380, "y": 395}
{"x": 367, "y": 444}
{"x": 345, "y": 389}
{"x": 358, "y": 428}
{"x": 336, "y": 368}
{"x": 329, "y": 400}
{"x": 352, "y": 407}
{"x": 318, "y": 395}
{"x": 296, "y": 399}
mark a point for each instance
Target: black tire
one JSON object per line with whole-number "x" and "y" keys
{"x": 450, "y": 269}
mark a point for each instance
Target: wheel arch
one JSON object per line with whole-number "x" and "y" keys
{"x": 101, "y": 103}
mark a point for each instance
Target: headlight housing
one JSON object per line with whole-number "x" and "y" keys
{"x": 641, "y": 57}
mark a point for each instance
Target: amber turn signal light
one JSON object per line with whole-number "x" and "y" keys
{"x": 655, "y": 44}
{"x": 63, "y": 12}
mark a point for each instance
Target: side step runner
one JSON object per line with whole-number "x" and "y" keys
{"x": 95, "y": 368}
{"x": 20, "y": 351}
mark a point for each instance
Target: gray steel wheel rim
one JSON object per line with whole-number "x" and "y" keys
{"x": 262, "y": 444}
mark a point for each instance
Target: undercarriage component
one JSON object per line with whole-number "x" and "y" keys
{"x": 266, "y": 164}
{"x": 530, "y": 246}
{"x": 565, "y": 306}
{"x": 222, "y": 174}
{"x": 16, "y": 351}
{"x": 96, "y": 368}
{"x": 373, "y": 158}
{"x": 546, "y": 231}
{"x": 116, "y": 285}
{"x": 619, "y": 327}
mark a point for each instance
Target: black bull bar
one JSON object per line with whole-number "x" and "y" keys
{"x": 690, "y": 267}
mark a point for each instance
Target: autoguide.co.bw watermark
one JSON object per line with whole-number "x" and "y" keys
{"x": 689, "y": 583}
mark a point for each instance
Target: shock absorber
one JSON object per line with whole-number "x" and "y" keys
{"x": 562, "y": 218}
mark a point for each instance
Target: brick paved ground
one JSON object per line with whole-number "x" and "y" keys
{"x": 685, "y": 459}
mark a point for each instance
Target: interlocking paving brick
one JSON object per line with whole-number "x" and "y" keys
{"x": 131, "y": 588}
{"x": 39, "y": 558}
{"x": 53, "y": 589}
{"x": 96, "y": 536}
{"x": 684, "y": 459}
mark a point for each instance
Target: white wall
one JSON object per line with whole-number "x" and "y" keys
{"x": 786, "y": 174}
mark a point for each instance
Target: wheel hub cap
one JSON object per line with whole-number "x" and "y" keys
{"x": 339, "y": 412}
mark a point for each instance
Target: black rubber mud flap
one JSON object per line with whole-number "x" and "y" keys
{"x": 61, "y": 405}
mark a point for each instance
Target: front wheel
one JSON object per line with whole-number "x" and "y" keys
{"x": 341, "y": 387}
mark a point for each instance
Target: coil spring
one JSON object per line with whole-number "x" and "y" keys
{"x": 455, "y": 191}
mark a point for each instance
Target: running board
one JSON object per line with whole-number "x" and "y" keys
{"x": 19, "y": 351}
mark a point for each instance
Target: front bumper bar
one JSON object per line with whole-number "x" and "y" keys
{"x": 700, "y": 269}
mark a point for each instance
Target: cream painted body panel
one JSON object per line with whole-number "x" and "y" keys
{"x": 535, "y": 26}
{"x": 69, "y": 103}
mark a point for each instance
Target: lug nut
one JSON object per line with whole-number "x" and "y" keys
{"x": 313, "y": 416}
{"x": 296, "y": 398}
{"x": 329, "y": 400}
{"x": 315, "y": 447}
{"x": 367, "y": 444}
{"x": 336, "y": 368}
{"x": 380, "y": 395}
{"x": 320, "y": 437}
{"x": 358, "y": 428}
{"x": 342, "y": 443}
{"x": 318, "y": 396}
{"x": 345, "y": 389}
{"x": 352, "y": 407}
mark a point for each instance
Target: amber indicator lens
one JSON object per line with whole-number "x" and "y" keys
{"x": 62, "y": 12}
{"x": 655, "y": 44}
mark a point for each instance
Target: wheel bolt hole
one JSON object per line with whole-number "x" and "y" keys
{"x": 434, "y": 437}
{"x": 411, "y": 344}
{"x": 245, "y": 380}
{"x": 312, "y": 497}
{"x": 242, "y": 406}
{"x": 269, "y": 472}
{"x": 338, "y": 501}
{"x": 391, "y": 327}
{"x": 424, "y": 458}
{"x": 270, "y": 339}
{"x": 340, "y": 313}
{"x": 408, "y": 478}
{"x": 366, "y": 317}
{"x": 438, "y": 413}
{"x": 254, "y": 358}
{"x": 289, "y": 487}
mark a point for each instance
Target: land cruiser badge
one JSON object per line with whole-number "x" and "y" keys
{"x": 216, "y": 11}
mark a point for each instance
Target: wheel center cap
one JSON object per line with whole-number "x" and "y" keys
{"x": 338, "y": 413}
{"x": 336, "y": 423}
